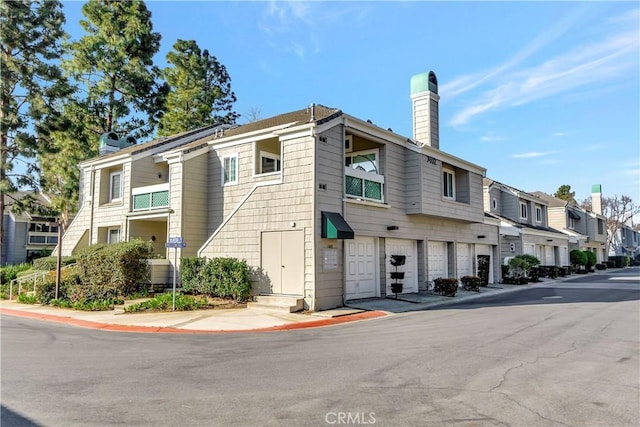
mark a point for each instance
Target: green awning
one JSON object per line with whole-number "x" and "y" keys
{"x": 335, "y": 227}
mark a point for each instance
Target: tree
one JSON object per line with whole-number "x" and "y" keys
{"x": 618, "y": 212}
{"x": 199, "y": 90}
{"x": 564, "y": 192}
{"x": 31, "y": 86}
{"x": 113, "y": 63}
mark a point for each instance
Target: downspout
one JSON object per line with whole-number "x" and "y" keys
{"x": 92, "y": 192}
{"x": 344, "y": 208}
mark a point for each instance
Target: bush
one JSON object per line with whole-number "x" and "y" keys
{"x": 121, "y": 268}
{"x": 164, "y": 302}
{"x": 471, "y": 283}
{"x": 51, "y": 262}
{"x": 601, "y": 266}
{"x": 446, "y": 287}
{"x": 578, "y": 257}
{"x": 46, "y": 291}
{"x": 224, "y": 277}
{"x": 591, "y": 260}
{"x": 610, "y": 264}
{"x": 10, "y": 272}
{"x": 27, "y": 299}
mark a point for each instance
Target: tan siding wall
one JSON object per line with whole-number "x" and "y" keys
{"x": 175, "y": 202}
{"x": 195, "y": 203}
{"x": 557, "y": 218}
{"x": 273, "y": 207}
{"x": 146, "y": 171}
{"x": 329, "y": 160}
{"x": 111, "y": 214}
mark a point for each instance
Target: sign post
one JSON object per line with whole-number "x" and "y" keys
{"x": 175, "y": 243}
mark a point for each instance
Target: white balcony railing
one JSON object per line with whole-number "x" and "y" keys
{"x": 150, "y": 197}
{"x": 364, "y": 185}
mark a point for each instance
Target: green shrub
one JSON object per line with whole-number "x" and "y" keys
{"x": 120, "y": 267}
{"x": 51, "y": 262}
{"x": 27, "y": 298}
{"x": 471, "y": 283}
{"x": 446, "y": 287}
{"x": 164, "y": 302}
{"x": 87, "y": 294}
{"x": 591, "y": 259}
{"x": 224, "y": 277}
{"x": 46, "y": 290}
{"x": 10, "y": 272}
{"x": 484, "y": 266}
{"x": 578, "y": 257}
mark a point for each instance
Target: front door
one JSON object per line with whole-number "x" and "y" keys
{"x": 282, "y": 260}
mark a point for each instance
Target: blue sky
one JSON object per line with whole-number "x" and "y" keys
{"x": 539, "y": 93}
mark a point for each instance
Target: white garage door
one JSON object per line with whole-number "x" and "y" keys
{"x": 540, "y": 253}
{"x": 360, "y": 274}
{"x": 437, "y": 258}
{"x": 485, "y": 250}
{"x": 463, "y": 254}
{"x": 529, "y": 249}
{"x": 564, "y": 256}
{"x": 407, "y": 248}
{"x": 549, "y": 256}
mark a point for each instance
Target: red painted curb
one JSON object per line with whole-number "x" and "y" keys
{"x": 158, "y": 329}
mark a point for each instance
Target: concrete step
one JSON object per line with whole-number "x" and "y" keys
{"x": 282, "y": 303}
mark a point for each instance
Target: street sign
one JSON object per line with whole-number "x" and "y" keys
{"x": 175, "y": 242}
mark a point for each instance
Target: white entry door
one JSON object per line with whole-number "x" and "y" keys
{"x": 564, "y": 256}
{"x": 360, "y": 272}
{"x": 437, "y": 260}
{"x": 463, "y": 254}
{"x": 282, "y": 261}
{"x": 409, "y": 249}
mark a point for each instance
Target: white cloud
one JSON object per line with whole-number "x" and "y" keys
{"x": 559, "y": 133}
{"x": 531, "y": 154}
{"x": 488, "y": 138}
{"x": 598, "y": 62}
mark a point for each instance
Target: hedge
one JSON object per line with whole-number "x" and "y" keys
{"x": 224, "y": 277}
{"x": 446, "y": 287}
{"x": 51, "y": 262}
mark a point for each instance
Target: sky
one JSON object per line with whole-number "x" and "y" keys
{"x": 541, "y": 94}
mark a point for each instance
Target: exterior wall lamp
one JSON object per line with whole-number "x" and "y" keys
{"x": 392, "y": 227}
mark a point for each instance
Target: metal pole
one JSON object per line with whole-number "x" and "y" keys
{"x": 175, "y": 267}
{"x": 59, "y": 257}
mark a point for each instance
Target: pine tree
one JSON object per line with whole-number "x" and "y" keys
{"x": 113, "y": 63}
{"x": 31, "y": 87}
{"x": 564, "y": 192}
{"x": 199, "y": 90}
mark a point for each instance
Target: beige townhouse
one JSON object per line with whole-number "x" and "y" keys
{"x": 587, "y": 229}
{"x": 316, "y": 200}
{"x": 524, "y": 226}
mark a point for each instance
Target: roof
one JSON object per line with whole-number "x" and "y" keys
{"x": 488, "y": 182}
{"x": 11, "y": 198}
{"x": 553, "y": 202}
{"x": 521, "y": 225}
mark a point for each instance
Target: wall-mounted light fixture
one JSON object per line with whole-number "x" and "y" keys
{"x": 482, "y": 236}
{"x": 392, "y": 227}
{"x": 549, "y": 240}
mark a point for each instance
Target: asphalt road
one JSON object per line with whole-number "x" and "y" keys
{"x": 557, "y": 355}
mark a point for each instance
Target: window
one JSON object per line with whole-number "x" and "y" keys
{"x": 572, "y": 223}
{"x": 538, "y": 214}
{"x": 113, "y": 235}
{"x": 494, "y": 203}
{"x": 269, "y": 162}
{"x": 523, "y": 210}
{"x": 448, "y": 184}
{"x": 365, "y": 161}
{"x": 600, "y": 226}
{"x": 230, "y": 170}
{"x": 115, "y": 186}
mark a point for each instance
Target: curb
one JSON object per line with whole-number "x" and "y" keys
{"x": 168, "y": 330}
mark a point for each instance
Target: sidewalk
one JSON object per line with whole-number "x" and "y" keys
{"x": 249, "y": 320}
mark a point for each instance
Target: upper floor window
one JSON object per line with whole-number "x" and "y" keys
{"x": 600, "y": 226}
{"x": 523, "y": 210}
{"x": 494, "y": 204}
{"x": 572, "y": 223}
{"x": 365, "y": 161}
{"x": 448, "y": 184}
{"x": 230, "y": 170}
{"x": 269, "y": 162}
{"x": 538, "y": 214}
{"x": 115, "y": 186}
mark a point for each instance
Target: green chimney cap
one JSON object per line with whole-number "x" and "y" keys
{"x": 424, "y": 82}
{"x": 596, "y": 188}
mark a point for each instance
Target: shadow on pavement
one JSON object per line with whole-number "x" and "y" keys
{"x": 11, "y": 418}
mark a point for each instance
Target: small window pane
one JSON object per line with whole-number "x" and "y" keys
{"x": 116, "y": 186}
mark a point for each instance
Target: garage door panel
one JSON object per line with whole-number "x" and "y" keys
{"x": 437, "y": 260}
{"x": 407, "y": 248}
{"x": 463, "y": 254}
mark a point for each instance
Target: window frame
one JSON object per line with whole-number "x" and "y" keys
{"x": 539, "y": 214}
{"x": 451, "y": 182}
{"x": 362, "y": 153}
{"x": 109, "y": 230}
{"x": 223, "y": 178}
{"x": 112, "y": 175}
{"x": 524, "y": 211}
{"x": 494, "y": 204}
{"x": 572, "y": 223}
{"x": 272, "y": 156}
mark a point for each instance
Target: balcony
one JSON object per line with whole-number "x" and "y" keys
{"x": 364, "y": 185}
{"x": 150, "y": 197}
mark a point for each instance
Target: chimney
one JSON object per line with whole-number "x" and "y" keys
{"x": 596, "y": 199}
{"x": 424, "y": 100}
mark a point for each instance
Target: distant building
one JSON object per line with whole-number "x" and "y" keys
{"x": 26, "y": 236}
